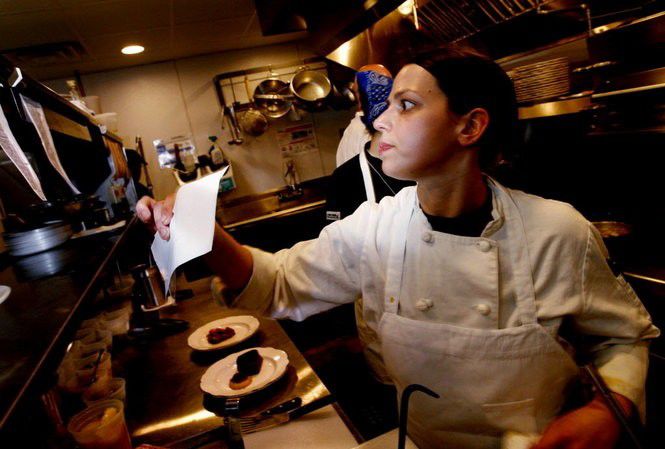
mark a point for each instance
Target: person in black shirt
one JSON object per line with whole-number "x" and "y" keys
{"x": 360, "y": 178}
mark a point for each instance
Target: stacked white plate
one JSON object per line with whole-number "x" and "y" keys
{"x": 37, "y": 240}
{"x": 542, "y": 80}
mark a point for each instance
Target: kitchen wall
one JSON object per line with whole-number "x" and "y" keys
{"x": 158, "y": 101}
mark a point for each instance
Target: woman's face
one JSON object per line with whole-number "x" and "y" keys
{"x": 419, "y": 132}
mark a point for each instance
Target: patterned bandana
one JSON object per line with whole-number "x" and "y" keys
{"x": 373, "y": 89}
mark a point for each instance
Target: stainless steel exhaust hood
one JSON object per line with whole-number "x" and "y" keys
{"x": 498, "y": 27}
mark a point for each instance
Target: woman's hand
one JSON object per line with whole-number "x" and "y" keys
{"x": 592, "y": 426}
{"x": 232, "y": 262}
{"x": 156, "y": 214}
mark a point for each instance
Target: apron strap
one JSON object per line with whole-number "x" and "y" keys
{"x": 367, "y": 177}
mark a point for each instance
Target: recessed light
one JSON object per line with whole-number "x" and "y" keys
{"x": 132, "y": 49}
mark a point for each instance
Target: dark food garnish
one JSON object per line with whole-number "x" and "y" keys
{"x": 219, "y": 334}
{"x": 249, "y": 363}
{"x": 238, "y": 378}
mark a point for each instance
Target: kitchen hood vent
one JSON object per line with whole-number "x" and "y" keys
{"x": 48, "y": 54}
{"x": 454, "y": 20}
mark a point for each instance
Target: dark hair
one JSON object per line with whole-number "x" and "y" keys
{"x": 470, "y": 80}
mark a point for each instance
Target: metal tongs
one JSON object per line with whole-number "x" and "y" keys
{"x": 404, "y": 410}
{"x": 599, "y": 383}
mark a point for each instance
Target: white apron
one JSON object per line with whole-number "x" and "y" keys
{"x": 490, "y": 381}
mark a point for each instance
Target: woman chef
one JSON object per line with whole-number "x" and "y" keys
{"x": 469, "y": 284}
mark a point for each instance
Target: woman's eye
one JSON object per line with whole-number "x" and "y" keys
{"x": 406, "y": 104}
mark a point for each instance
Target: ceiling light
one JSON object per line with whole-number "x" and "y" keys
{"x": 132, "y": 49}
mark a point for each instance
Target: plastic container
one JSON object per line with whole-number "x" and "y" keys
{"x": 117, "y": 321}
{"x": 85, "y": 372}
{"x": 89, "y": 336}
{"x": 116, "y": 391}
{"x": 101, "y": 426}
{"x": 92, "y": 323}
{"x": 88, "y": 349}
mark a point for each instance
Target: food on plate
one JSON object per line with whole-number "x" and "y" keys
{"x": 249, "y": 365}
{"x": 239, "y": 381}
{"x": 219, "y": 334}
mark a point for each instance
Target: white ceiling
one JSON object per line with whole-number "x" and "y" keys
{"x": 168, "y": 29}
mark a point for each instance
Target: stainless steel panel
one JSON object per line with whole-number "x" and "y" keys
{"x": 164, "y": 399}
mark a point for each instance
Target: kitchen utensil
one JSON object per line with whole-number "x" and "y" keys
{"x": 404, "y": 410}
{"x": 234, "y": 435}
{"x": 236, "y": 138}
{"x": 38, "y": 213}
{"x": 148, "y": 299}
{"x": 343, "y": 98}
{"x": 608, "y": 397}
{"x": 252, "y": 121}
{"x": 36, "y": 240}
{"x": 80, "y": 206}
{"x": 272, "y": 97}
{"x": 234, "y": 128}
{"x": 311, "y": 88}
{"x": 148, "y": 289}
{"x": 244, "y": 326}
{"x": 93, "y": 378}
{"x": 270, "y": 418}
{"x": 215, "y": 380}
{"x": 263, "y": 424}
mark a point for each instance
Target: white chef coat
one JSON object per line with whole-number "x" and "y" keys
{"x": 353, "y": 140}
{"x": 566, "y": 260}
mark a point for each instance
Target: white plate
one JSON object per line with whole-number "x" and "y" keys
{"x": 244, "y": 325}
{"x": 215, "y": 380}
{"x": 4, "y": 292}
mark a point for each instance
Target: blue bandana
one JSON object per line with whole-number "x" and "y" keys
{"x": 373, "y": 90}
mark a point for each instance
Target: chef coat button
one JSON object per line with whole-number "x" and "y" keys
{"x": 483, "y": 309}
{"x": 428, "y": 237}
{"x": 424, "y": 304}
{"x": 484, "y": 245}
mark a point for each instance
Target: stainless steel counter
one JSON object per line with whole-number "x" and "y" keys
{"x": 164, "y": 400}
